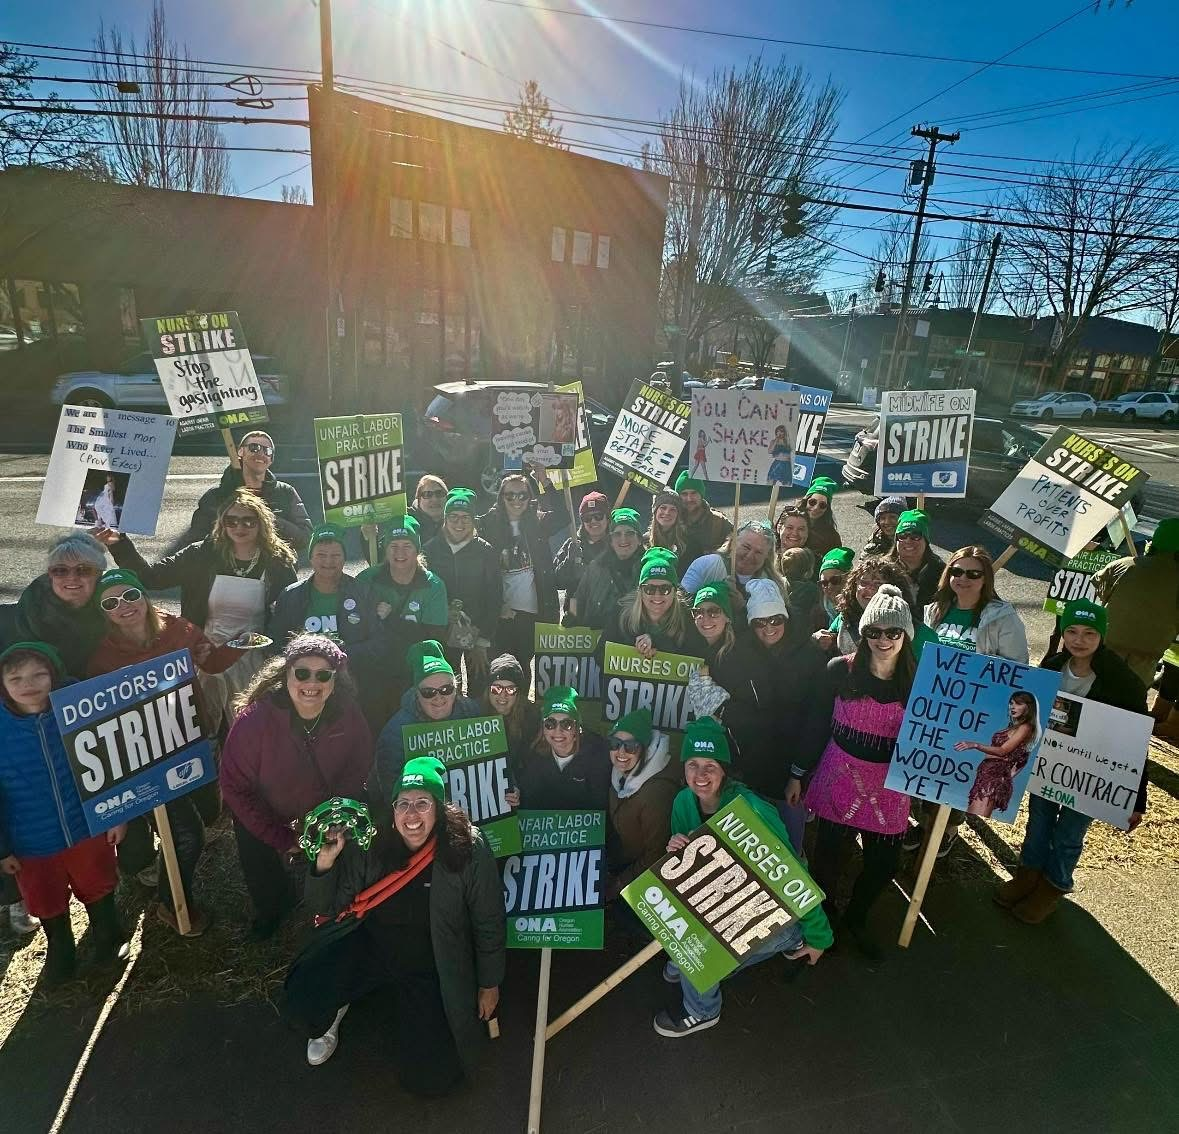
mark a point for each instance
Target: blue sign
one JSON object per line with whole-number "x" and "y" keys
{"x": 971, "y": 731}
{"x": 135, "y": 738}
{"x": 813, "y": 406}
{"x": 924, "y": 445}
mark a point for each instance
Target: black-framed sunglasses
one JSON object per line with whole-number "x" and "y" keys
{"x": 630, "y": 747}
{"x": 431, "y": 493}
{"x": 323, "y": 676}
{"x": 772, "y": 620}
{"x": 564, "y": 724}
{"x": 241, "y": 521}
{"x": 502, "y": 690}
{"x": 130, "y": 595}
{"x": 707, "y": 610}
{"x": 258, "y": 447}
{"x": 428, "y": 694}
{"x": 516, "y": 497}
{"x": 838, "y": 581}
{"x": 596, "y": 517}
{"x": 972, "y": 573}
{"x": 892, "y": 633}
{"x": 660, "y": 589}
{"x": 75, "y": 571}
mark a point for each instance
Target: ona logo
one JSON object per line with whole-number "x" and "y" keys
{"x": 703, "y": 746}
{"x": 105, "y": 805}
{"x": 536, "y": 925}
{"x": 659, "y": 904}
{"x": 900, "y": 478}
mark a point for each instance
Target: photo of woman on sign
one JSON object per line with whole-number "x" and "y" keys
{"x": 780, "y": 471}
{"x": 1004, "y": 757}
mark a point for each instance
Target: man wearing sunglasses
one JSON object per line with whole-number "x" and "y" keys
{"x": 256, "y": 453}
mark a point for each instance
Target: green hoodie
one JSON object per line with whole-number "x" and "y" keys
{"x": 686, "y": 817}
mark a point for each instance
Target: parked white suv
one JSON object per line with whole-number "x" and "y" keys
{"x": 1059, "y": 403}
{"x": 1147, "y": 404}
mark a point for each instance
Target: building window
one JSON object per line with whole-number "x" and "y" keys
{"x": 432, "y": 222}
{"x": 557, "y": 251}
{"x": 460, "y": 228}
{"x": 603, "y": 251}
{"x": 401, "y": 218}
{"x": 582, "y": 243}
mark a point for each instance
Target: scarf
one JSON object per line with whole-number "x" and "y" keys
{"x": 372, "y": 896}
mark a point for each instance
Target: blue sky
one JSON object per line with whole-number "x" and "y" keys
{"x": 483, "y": 48}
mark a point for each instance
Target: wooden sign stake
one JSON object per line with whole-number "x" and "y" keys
{"x": 372, "y": 545}
{"x": 622, "y": 494}
{"x": 607, "y": 985}
{"x": 231, "y": 448}
{"x": 921, "y": 501}
{"x": 538, "y": 1041}
{"x": 773, "y": 501}
{"x": 736, "y": 525}
{"x": 1005, "y": 558}
{"x": 172, "y": 865}
{"x": 1129, "y": 535}
{"x": 924, "y": 872}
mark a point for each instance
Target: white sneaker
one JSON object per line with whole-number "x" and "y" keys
{"x": 322, "y": 1049}
{"x": 21, "y": 920}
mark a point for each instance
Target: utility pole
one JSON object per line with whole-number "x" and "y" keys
{"x": 851, "y": 314}
{"x": 996, "y": 241}
{"x": 325, "y": 193}
{"x": 685, "y": 293}
{"x": 934, "y": 136}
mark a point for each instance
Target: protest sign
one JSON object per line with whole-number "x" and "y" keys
{"x": 713, "y": 902}
{"x": 743, "y": 436}
{"x": 812, "y": 416}
{"x": 1075, "y": 579}
{"x": 361, "y": 468}
{"x": 553, "y": 887}
{"x": 658, "y": 683}
{"x": 108, "y": 467}
{"x": 648, "y": 437}
{"x": 567, "y": 655}
{"x": 583, "y": 471}
{"x": 971, "y": 730}
{"x": 475, "y": 754}
{"x": 1091, "y": 759}
{"x": 924, "y": 442}
{"x": 1066, "y": 494}
{"x": 535, "y": 427}
{"x": 134, "y": 738}
{"x": 206, "y": 370}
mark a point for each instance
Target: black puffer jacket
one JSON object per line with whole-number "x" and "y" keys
{"x": 607, "y": 578}
{"x": 472, "y": 576}
{"x": 574, "y": 556}
{"x": 535, "y": 528}
{"x": 290, "y": 514}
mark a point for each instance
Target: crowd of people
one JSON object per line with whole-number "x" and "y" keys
{"x": 808, "y": 657}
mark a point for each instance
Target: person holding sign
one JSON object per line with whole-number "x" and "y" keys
{"x": 585, "y": 544}
{"x": 421, "y": 912}
{"x": 707, "y": 760}
{"x": 1055, "y": 836}
{"x": 405, "y": 589}
{"x": 749, "y": 553}
{"x": 864, "y": 698}
{"x": 667, "y": 523}
{"x": 967, "y": 614}
{"x": 611, "y": 575}
{"x": 705, "y": 529}
{"x": 654, "y": 617}
{"x": 44, "y": 838}
{"x": 299, "y": 739}
{"x": 911, "y": 551}
{"x": 570, "y": 768}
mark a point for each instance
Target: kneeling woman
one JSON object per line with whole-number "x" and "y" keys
{"x": 706, "y": 758}
{"x": 421, "y": 912}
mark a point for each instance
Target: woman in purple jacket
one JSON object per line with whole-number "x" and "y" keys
{"x": 299, "y": 740}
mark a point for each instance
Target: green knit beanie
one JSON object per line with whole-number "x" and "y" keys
{"x": 717, "y": 593}
{"x": 705, "y": 738}
{"x": 560, "y": 699}
{"x": 426, "y": 658}
{"x": 689, "y": 482}
{"x": 459, "y": 500}
{"x": 1166, "y": 537}
{"x": 639, "y": 723}
{"x": 325, "y": 533}
{"x": 118, "y": 576}
{"x": 402, "y": 527}
{"x": 659, "y": 566}
{"x": 423, "y": 773}
{"x": 822, "y": 486}
{"x": 625, "y": 518}
{"x": 837, "y": 559}
{"x": 913, "y": 522}
{"x": 1082, "y": 612}
{"x": 43, "y": 648}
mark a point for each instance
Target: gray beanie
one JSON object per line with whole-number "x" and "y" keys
{"x": 887, "y": 607}
{"x": 668, "y": 496}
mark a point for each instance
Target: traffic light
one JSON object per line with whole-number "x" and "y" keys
{"x": 792, "y": 215}
{"x": 758, "y": 230}
{"x": 879, "y": 288}
{"x": 927, "y": 286}
{"x": 771, "y": 263}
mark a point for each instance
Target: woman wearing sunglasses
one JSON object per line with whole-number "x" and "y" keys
{"x": 654, "y": 616}
{"x": 507, "y": 694}
{"x": 583, "y": 546}
{"x": 58, "y": 607}
{"x": 967, "y": 614}
{"x": 863, "y": 697}
{"x": 569, "y": 770}
{"x": 419, "y": 914}
{"x": 136, "y": 632}
{"x": 299, "y": 739}
{"x": 824, "y": 535}
{"x": 862, "y": 582}
{"x": 912, "y": 552}
{"x": 611, "y": 575}
{"x": 432, "y": 697}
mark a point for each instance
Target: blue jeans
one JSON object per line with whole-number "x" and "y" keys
{"x": 706, "y": 1005}
{"x": 1054, "y": 840}
{"x": 794, "y": 820}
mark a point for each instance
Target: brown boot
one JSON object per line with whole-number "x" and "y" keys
{"x": 1039, "y": 904}
{"x": 1019, "y": 887}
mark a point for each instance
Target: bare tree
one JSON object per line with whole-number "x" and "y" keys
{"x": 173, "y": 149}
{"x": 294, "y": 195}
{"x": 532, "y": 118}
{"x": 759, "y": 133}
{"x": 966, "y": 266}
{"x": 1163, "y": 304}
{"x": 1096, "y": 236}
{"x": 890, "y": 255}
{"x": 53, "y": 136}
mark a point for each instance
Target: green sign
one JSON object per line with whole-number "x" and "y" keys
{"x": 361, "y": 468}
{"x": 553, "y": 888}
{"x": 1075, "y": 579}
{"x": 567, "y": 655}
{"x": 475, "y": 754}
{"x": 715, "y": 900}
{"x": 659, "y": 683}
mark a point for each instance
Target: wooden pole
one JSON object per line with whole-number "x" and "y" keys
{"x": 231, "y": 448}
{"x": 622, "y": 494}
{"x": 736, "y": 525}
{"x": 172, "y": 865}
{"x": 921, "y": 501}
{"x": 1129, "y": 534}
{"x": 924, "y": 873}
{"x": 1005, "y": 558}
{"x": 538, "y": 1041}
{"x": 773, "y": 501}
{"x": 599, "y": 990}
{"x": 372, "y": 545}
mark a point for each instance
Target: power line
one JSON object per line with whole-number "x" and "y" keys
{"x": 244, "y": 120}
{"x": 289, "y": 173}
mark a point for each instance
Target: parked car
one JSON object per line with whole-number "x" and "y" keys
{"x": 454, "y": 435}
{"x": 135, "y": 385}
{"x": 1059, "y": 403}
{"x": 1150, "y": 405}
{"x": 749, "y": 382}
{"x": 998, "y": 450}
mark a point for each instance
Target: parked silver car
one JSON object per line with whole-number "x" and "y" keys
{"x": 135, "y": 385}
{"x": 1058, "y": 404}
{"x": 1150, "y": 405}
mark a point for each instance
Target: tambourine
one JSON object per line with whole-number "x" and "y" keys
{"x": 347, "y": 814}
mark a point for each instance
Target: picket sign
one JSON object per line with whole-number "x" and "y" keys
{"x": 172, "y": 866}
{"x": 933, "y": 842}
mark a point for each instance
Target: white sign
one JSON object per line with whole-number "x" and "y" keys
{"x": 924, "y": 442}
{"x": 1091, "y": 759}
{"x": 107, "y": 468}
{"x": 743, "y": 436}
{"x": 869, "y": 399}
{"x": 648, "y": 437}
{"x": 535, "y": 427}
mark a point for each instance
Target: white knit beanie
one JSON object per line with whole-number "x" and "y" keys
{"x": 765, "y": 599}
{"x": 887, "y": 607}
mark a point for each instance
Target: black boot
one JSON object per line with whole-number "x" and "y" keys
{"x": 110, "y": 938}
{"x": 59, "y": 955}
